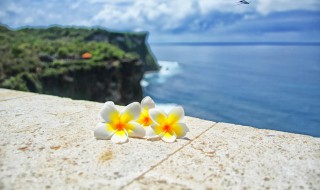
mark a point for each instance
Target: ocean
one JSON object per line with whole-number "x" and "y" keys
{"x": 268, "y": 86}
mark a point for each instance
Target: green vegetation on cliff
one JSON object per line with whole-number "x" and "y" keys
{"x": 51, "y": 61}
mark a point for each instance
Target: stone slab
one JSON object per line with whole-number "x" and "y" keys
{"x": 237, "y": 157}
{"x": 47, "y": 142}
{"x": 6, "y": 94}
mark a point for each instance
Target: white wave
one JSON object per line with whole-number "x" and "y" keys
{"x": 144, "y": 83}
{"x": 167, "y": 69}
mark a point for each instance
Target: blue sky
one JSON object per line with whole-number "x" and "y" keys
{"x": 177, "y": 20}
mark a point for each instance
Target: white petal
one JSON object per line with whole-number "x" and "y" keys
{"x": 180, "y": 129}
{"x": 131, "y": 112}
{"x": 150, "y": 133}
{"x": 169, "y": 136}
{"x": 136, "y": 130}
{"x": 147, "y": 103}
{"x": 103, "y": 131}
{"x": 120, "y": 136}
{"x": 157, "y": 116}
{"x": 109, "y": 112}
{"x": 176, "y": 114}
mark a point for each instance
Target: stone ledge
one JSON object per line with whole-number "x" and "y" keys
{"x": 6, "y": 94}
{"x": 237, "y": 157}
{"x": 47, "y": 142}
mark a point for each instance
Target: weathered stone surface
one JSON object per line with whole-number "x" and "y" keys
{"x": 6, "y": 94}
{"x": 238, "y": 157}
{"x": 47, "y": 142}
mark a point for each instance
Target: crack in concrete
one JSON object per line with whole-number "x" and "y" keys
{"x": 167, "y": 157}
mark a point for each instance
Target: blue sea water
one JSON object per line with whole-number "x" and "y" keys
{"x": 265, "y": 86}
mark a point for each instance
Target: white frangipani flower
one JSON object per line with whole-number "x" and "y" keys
{"x": 169, "y": 126}
{"x": 146, "y": 104}
{"x": 117, "y": 126}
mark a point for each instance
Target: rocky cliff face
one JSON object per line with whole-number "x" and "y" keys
{"x": 128, "y": 42}
{"x": 117, "y": 80}
{"x": 51, "y": 61}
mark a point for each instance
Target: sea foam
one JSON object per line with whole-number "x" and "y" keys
{"x": 167, "y": 69}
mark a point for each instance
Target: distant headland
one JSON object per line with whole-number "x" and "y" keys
{"x": 80, "y": 63}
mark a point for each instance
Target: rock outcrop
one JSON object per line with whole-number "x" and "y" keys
{"x": 128, "y": 42}
{"x": 51, "y": 61}
{"x": 117, "y": 80}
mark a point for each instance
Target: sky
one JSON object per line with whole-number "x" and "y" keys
{"x": 176, "y": 20}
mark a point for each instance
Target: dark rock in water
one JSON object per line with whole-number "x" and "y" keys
{"x": 50, "y": 61}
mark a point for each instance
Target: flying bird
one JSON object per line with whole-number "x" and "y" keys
{"x": 244, "y": 2}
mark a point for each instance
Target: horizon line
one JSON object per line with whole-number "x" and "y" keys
{"x": 236, "y": 43}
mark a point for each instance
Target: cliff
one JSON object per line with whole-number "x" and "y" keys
{"x": 129, "y": 42}
{"x": 90, "y": 64}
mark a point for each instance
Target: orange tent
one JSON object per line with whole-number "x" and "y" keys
{"x": 86, "y": 55}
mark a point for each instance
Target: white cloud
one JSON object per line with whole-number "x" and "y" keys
{"x": 169, "y": 15}
{"x": 28, "y": 21}
{"x": 207, "y": 6}
{"x": 259, "y": 6}
{"x": 163, "y": 17}
{"x": 269, "y": 6}
{"x": 14, "y": 8}
{"x": 140, "y": 14}
{"x": 75, "y": 5}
